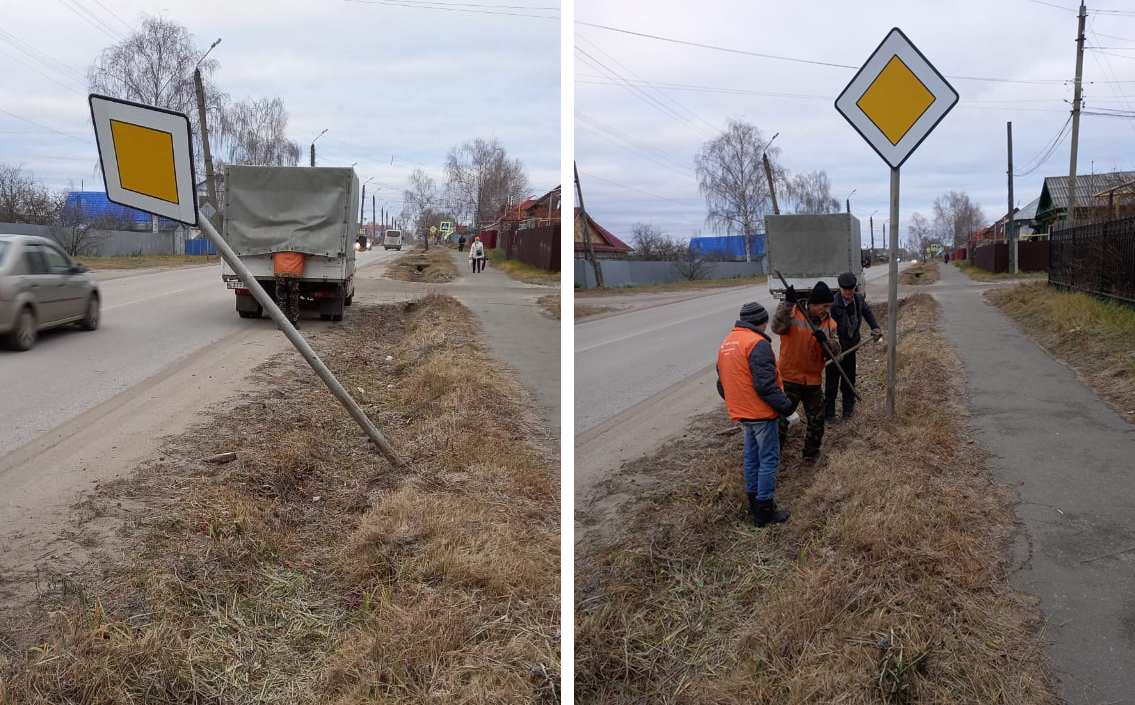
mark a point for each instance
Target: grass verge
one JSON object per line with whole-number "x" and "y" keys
{"x": 309, "y": 570}
{"x": 519, "y": 270}
{"x": 1092, "y": 336}
{"x": 551, "y": 304}
{"x": 672, "y": 286}
{"x": 921, "y": 273}
{"x": 433, "y": 266}
{"x": 889, "y": 584}
{"x": 979, "y": 274}
{"x": 143, "y": 261}
{"x": 584, "y": 311}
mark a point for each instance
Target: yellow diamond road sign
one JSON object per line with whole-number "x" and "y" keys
{"x": 146, "y": 157}
{"x": 896, "y": 99}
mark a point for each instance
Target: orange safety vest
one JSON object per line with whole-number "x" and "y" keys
{"x": 288, "y": 264}
{"x": 741, "y": 398}
{"x": 800, "y": 353}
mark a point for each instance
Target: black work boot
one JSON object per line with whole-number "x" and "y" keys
{"x": 753, "y": 506}
{"x": 767, "y": 513}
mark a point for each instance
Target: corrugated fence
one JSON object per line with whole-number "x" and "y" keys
{"x": 994, "y": 257}
{"x": 539, "y": 247}
{"x": 1097, "y": 258}
{"x": 619, "y": 273}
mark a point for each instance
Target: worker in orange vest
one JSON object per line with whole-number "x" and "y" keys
{"x": 802, "y": 357}
{"x": 749, "y": 382}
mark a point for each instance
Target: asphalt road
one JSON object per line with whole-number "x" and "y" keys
{"x": 149, "y": 322}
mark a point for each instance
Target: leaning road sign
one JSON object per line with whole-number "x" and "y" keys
{"x": 896, "y": 99}
{"x": 146, "y": 157}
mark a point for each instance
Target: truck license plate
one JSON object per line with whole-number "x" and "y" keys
{"x": 235, "y": 284}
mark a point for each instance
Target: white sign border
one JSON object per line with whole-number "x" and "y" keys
{"x": 103, "y": 110}
{"x": 945, "y": 98}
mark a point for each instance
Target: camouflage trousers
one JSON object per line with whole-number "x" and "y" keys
{"x": 812, "y": 398}
{"x": 288, "y": 297}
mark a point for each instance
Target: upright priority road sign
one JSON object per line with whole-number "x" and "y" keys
{"x": 147, "y": 164}
{"x": 895, "y": 100}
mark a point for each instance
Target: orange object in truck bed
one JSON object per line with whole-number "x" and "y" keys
{"x": 288, "y": 264}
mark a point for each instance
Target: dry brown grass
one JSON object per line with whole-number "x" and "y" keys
{"x": 311, "y": 571}
{"x": 551, "y": 304}
{"x": 520, "y": 271}
{"x": 584, "y": 311}
{"x": 434, "y": 266}
{"x": 673, "y": 286}
{"x": 1090, "y": 335}
{"x": 889, "y": 584}
{"x": 143, "y": 261}
{"x": 921, "y": 273}
{"x": 979, "y": 274}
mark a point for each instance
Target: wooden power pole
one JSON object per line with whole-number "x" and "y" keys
{"x": 1010, "y": 222}
{"x": 1077, "y": 94}
{"x": 210, "y": 180}
{"x": 587, "y": 230}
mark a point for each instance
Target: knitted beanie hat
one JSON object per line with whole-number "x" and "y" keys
{"x": 753, "y": 313}
{"x": 821, "y": 294}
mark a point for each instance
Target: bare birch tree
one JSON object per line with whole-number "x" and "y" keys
{"x": 811, "y": 192}
{"x": 651, "y": 244}
{"x": 956, "y": 217}
{"x": 423, "y": 205}
{"x": 24, "y": 199}
{"x": 731, "y": 178}
{"x": 482, "y": 181}
{"x": 255, "y": 132}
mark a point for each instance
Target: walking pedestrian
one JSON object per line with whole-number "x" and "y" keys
{"x": 849, "y": 312}
{"x": 802, "y": 355}
{"x": 461, "y": 244}
{"x": 748, "y": 379}
{"x": 477, "y": 254}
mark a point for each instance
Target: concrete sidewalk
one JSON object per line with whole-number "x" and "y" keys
{"x": 518, "y": 331}
{"x": 1071, "y": 459}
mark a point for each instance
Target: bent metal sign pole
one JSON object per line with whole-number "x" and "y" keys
{"x": 894, "y": 102}
{"x": 146, "y": 164}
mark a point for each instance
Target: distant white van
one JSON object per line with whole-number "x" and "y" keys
{"x": 393, "y": 239}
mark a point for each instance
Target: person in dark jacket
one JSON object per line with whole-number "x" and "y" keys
{"x": 748, "y": 379}
{"x": 849, "y": 311}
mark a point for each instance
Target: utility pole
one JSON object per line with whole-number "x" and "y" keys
{"x": 771, "y": 187}
{"x": 313, "y": 154}
{"x": 1078, "y": 93}
{"x": 363, "y": 205}
{"x": 872, "y": 239}
{"x": 849, "y": 205}
{"x": 373, "y": 223}
{"x": 209, "y": 178}
{"x": 587, "y": 230}
{"x": 1011, "y": 221}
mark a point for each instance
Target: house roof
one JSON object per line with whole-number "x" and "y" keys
{"x": 1054, "y": 193}
{"x": 554, "y": 194}
{"x": 603, "y": 240}
{"x": 1027, "y": 212}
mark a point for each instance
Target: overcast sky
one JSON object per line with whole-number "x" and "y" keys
{"x": 391, "y": 80}
{"x": 636, "y": 158}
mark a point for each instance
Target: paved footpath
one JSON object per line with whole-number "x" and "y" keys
{"x": 1071, "y": 458}
{"x": 518, "y": 331}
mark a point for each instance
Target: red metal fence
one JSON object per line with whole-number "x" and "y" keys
{"x": 1097, "y": 258}
{"x": 994, "y": 257}
{"x": 539, "y": 247}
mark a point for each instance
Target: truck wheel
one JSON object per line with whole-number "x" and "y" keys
{"x": 349, "y": 300}
{"x": 24, "y": 334}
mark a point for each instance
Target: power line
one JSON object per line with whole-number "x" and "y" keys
{"x": 674, "y": 159}
{"x": 113, "y": 14}
{"x": 90, "y": 19}
{"x": 49, "y": 129}
{"x": 631, "y": 188}
{"x": 450, "y": 7}
{"x": 1058, "y": 7}
{"x": 28, "y": 66}
{"x": 686, "y": 174}
{"x": 1112, "y": 87}
{"x": 802, "y": 61}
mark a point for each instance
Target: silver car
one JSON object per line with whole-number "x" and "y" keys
{"x": 41, "y": 288}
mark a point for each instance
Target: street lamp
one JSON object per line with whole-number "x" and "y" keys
{"x": 313, "y": 144}
{"x": 848, "y": 199}
{"x": 211, "y": 48}
{"x": 199, "y": 88}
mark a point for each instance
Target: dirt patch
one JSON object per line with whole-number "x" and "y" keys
{"x": 921, "y": 273}
{"x": 888, "y": 585}
{"x": 673, "y": 286}
{"x": 551, "y": 305}
{"x": 434, "y": 266}
{"x": 584, "y": 311}
{"x": 308, "y": 569}
{"x": 145, "y": 261}
{"x": 1090, "y": 335}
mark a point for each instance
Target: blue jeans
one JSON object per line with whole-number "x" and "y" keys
{"x": 762, "y": 457}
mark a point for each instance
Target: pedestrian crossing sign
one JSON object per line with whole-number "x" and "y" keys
{"x": 446, "y": 226}
{"x": 896, "y": 99}
{"x": 146, "y": 157}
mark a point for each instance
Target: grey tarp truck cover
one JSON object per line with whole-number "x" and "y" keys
{"x": 313, "y": 210}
